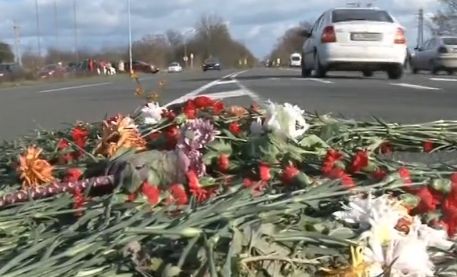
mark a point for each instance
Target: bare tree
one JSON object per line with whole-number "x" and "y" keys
{"x": 290, "y": 42}
{"x": 446, "y": 19}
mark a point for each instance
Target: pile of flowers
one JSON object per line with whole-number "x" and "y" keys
{"x": 201, "y": 189}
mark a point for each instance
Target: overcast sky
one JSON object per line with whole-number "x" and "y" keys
{"x": 101, "y": 23}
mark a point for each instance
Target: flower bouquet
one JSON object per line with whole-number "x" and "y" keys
{"x": 200, "y": 189}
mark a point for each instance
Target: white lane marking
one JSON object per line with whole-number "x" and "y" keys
{"x": 443, "y": 79}
{"x": 75, "y": 87}
{"x": 234, "y": 75}
{"x": 319, "y": 80}
{"x": 226, "y": 94}
{"x": 226, "y": 82}
{"x": 250, "y": 93}
{"x": 406, "y": 85}
{"x": 273, "y": 78}
{"x": 197, "y": 91}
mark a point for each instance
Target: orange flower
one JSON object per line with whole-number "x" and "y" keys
{"x": 33, "y": 170}
{"x": 119, "y": 132}
{"x": 238, "y": 111}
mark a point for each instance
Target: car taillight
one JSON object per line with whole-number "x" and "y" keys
{"x": 328, "y": 35}
{"x": 400, "y": 36}
{"x": 442, "y": 49}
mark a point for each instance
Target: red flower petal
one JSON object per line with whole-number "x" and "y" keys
{"x": 264, "y": 172}
{"x": 79, "y": 136}
{"x": 386, "y": 148}
{"x": 73, "y": 175}
{"x": 179, "y": 194}
{"x": 151, "y": 192}
{"x": 192, "y": 178}
{"x": 223, "y": 162}
{"x": 234, "y": 128}
{"x": 405, "y": 175}
{"x": 428, "y": 146}
{"x": 379, "y": 174}
{"x": 218, "y": 107}
{"x": 190, "y": 110}
{"x": 428, "y": 201}
{"x": 202, "y": 102}
{"x": 63, "y": 144}
{"x": 78, "y": 201}
{"x": 289, "y": 173}
{"x": 360, "y": 161}
{"x": 247, "y": 182}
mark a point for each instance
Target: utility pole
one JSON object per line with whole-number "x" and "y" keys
{"x": 420, "y": 28}
{"x": 76, "y": 31}
{"x": 38, "y": 35}
{"x": 130, "y": 38}
{"x": 17, "y": 43}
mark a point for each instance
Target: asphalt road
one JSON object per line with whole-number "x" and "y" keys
{"x": 415, "y": 98}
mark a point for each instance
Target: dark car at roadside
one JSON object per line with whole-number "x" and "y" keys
{"x": 140, "y": 66}
{"x": 211, "y": 64}
{"x": 10, "y": 72}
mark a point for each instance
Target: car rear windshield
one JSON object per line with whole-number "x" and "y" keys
{"x": 360, "y": 15}
{"x": 450, "y": 41}
{"x": 295, "y": 58}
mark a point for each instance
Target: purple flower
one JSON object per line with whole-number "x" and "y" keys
{"x": 194, "y": 136}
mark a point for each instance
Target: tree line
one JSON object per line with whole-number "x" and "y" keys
{"x": 211, "y": 38}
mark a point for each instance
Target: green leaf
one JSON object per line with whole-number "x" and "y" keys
{"x": 221, "y": 147}
{"x": 312, "y": 142}
{"x": 129, "y": 179}
{"x": 342, "y": 233}
{"x": 209, "y": 157}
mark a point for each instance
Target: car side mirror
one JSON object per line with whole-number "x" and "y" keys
{"x": 305, "y": 33}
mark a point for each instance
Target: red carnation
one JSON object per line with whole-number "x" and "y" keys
{"x": 234, "y": 128}
{"x": 289, "y": 173}
{"x": 264, "y": 172}
{"x": 168, "y": 114}
{"x": 171, "y": 134}
{"x": 151, "y": 192}
{"x": 178, "y": 194}
{"x": 386, "y": 148}
{"x": 62, "y": 144}
{"x": 429, "y": 199}
{"x": 80, "y": 135}
{"x": 202, "y": 102}
{"x": 405, "y": 175}
{"x": 73, "y": 175}
{"x": 132, "y": 197}
{"x": 454, "y": 178}
{"x": 428, "y": 146}
{"x": 190, "y": 110}
{"x": 330, "y": 159}
{"x": 347, "y": 181}
{"x": 223, "y": 162}
{"x": 379, "y": 174}
{"x": 360, "y": 161}
{"x": 218, "y": 107}
{"x": 248, "y": 183}
{"x": 195, "y": 188}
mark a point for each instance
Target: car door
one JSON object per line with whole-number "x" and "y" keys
{"x": 311, "y": 43}
{"x": 419, "y": 56}
{"x": 429, "y": 54}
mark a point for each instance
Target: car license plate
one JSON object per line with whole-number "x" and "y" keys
{"x": 366, "y": 36}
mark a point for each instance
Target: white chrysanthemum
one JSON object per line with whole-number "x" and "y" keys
{"x": 285, "y": 120}
{"x": 370, "y": 211}
{"x": 152, "y": 113}
{"x": 407, "y": 256}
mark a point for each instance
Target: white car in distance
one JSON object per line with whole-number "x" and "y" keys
{"x": 175, "y": 67}
{"x": 355, "y": 39}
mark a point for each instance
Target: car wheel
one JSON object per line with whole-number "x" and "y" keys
{"x": 319, "y": 70}
{"x": 450, "y": 72}
{"x": 305, "y": 72}
{"x": 414, "y": 70}
{"x": 435, "y": 69}
{"x": 395, "y": 72}
{"x": 367, "y": 73}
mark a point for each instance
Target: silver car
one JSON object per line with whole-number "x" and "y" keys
{"x": 438, "y": 53}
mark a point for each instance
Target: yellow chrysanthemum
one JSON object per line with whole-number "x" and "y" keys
{"x": 33, "y": 170}
{"x": 358, "y": 267}
{"x": 119, "y": 133}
